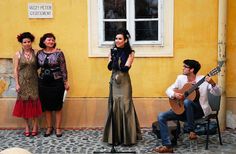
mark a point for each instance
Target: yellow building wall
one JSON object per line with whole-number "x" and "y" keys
{"x": 231, "y": 63}
{"x": 195, "y": 37}
{"x": 231, "y": 50}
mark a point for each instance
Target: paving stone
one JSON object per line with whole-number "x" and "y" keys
{"x": 90, "y": 141}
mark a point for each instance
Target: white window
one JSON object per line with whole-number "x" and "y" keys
{"x": 150, "y": 23}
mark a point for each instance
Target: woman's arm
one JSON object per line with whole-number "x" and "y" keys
{"x": 16, "y": 70}
{"x": 109, "y": 57}
{"x": 109, "y": 66}
{"x": 130, "y": 59}
{"x": 128, "y": 63}
{"x": 64, "y": 71}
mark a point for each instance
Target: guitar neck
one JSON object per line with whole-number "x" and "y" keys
{"x": 195, "y": 86}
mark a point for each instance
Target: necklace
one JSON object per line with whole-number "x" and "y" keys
{"x": 27, "y": 55}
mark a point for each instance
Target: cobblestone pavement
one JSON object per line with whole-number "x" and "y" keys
{"x": 89, "y": 141}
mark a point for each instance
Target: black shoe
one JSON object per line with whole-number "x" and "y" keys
{"x": 58, "y": 134}
{"x": 50, "y": 132}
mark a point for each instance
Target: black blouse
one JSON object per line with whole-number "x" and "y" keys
{"x": 118, "y": 59}
{"x": 53, "y": 64}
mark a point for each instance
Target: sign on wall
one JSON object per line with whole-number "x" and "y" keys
{"x": 40, "y": 10}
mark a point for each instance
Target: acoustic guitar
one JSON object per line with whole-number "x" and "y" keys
{"x": 190, "y": 91}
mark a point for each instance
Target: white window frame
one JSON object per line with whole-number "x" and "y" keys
{"x": 100, "y": 48}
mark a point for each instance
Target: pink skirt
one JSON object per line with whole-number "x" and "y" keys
{"x": 27, "y": 108}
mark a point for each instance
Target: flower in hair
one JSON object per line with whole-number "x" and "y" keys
{"x": 18, "y": 36}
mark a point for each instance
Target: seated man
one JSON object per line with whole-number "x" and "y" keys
{"x": 192, "y": 108}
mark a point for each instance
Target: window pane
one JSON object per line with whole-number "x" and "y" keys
{"x": 146, "y": 30}
{"x": 146, "y": 9}
{"x": 111, "y": 29}
{"x": 114, "y": 9}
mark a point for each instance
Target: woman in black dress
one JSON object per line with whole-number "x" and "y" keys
{"x": 52, "y": 81}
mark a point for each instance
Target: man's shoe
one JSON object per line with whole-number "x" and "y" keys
{"x": 163, "y": 149}
{"x": 192, "y": 136}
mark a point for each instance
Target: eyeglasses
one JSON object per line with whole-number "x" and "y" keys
{"x": 185, "y": 66}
